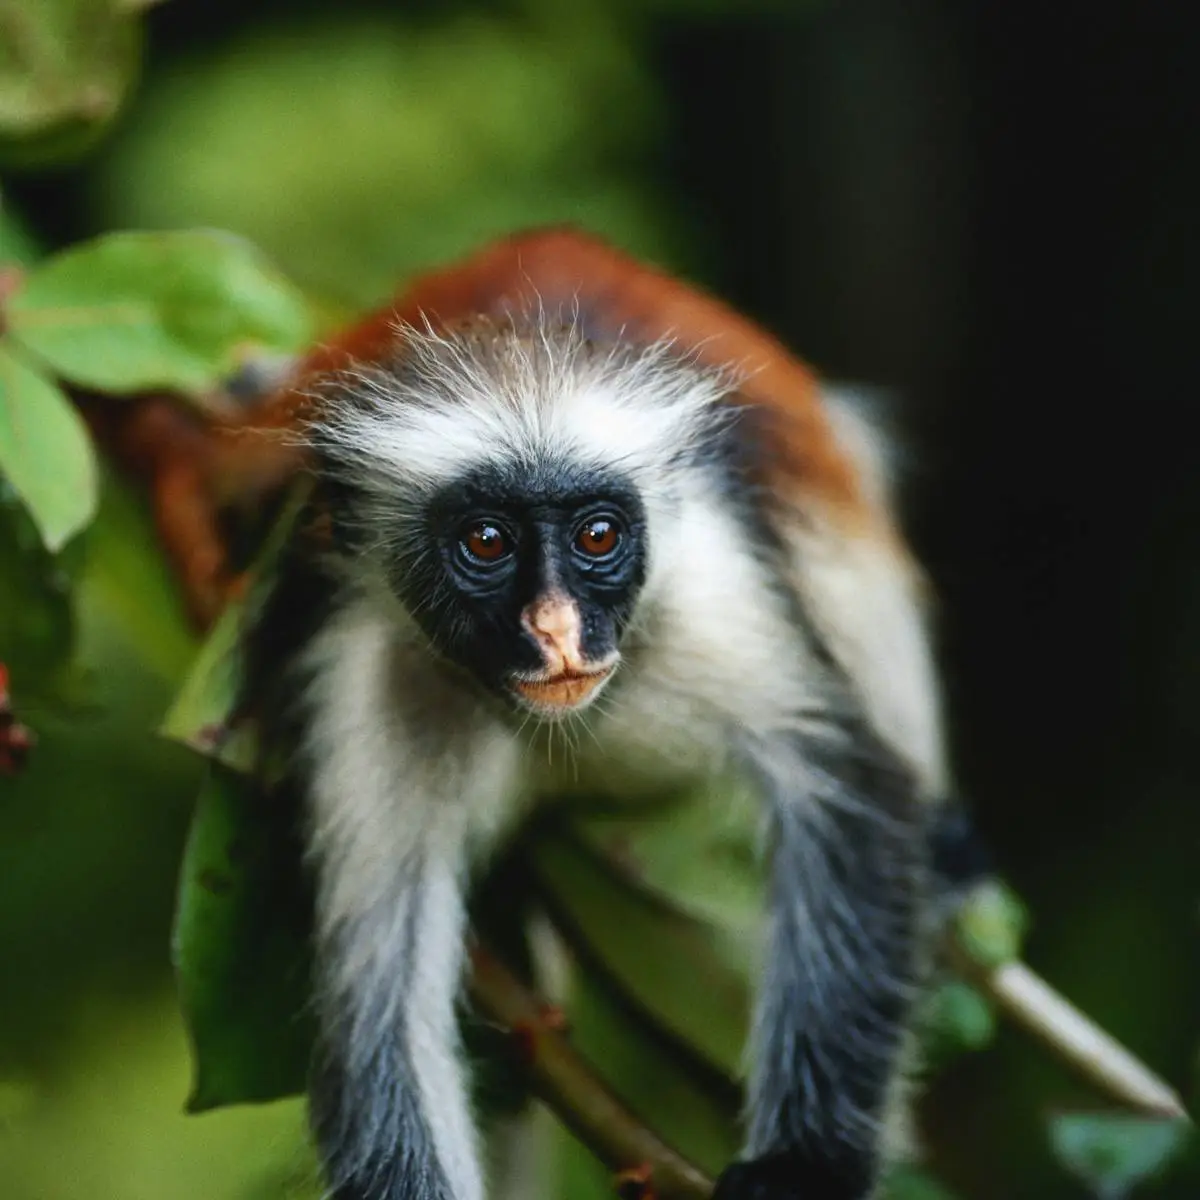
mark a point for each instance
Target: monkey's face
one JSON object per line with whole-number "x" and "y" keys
{"x": 529, "y": 579}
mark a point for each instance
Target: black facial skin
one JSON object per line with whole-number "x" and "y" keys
{"x": 495, "y": 542}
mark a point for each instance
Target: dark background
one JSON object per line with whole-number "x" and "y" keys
{"x": 991, "y": 207}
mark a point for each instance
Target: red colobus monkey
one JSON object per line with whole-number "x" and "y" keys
{"x": 556, "y": 485}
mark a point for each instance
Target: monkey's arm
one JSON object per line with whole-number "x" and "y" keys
{"x": 393, "y": 799}
{"x": 843, "y": 964}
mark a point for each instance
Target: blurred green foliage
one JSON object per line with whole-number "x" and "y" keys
{"x": 1112, "y": 1154}
{"x": 17, "y": 244}
{"x": 358, "y": 150}
{"x": 93, "y": 1056}
{"x": 45, "y": 452}
{"x": 67, "y": 68}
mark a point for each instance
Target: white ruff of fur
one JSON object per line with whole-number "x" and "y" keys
{"x": 465, "y": 399}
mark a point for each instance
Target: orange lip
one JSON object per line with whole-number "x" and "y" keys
{"x": 562, "y": 691}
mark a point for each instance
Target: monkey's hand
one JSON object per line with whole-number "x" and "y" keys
{"x": 787, "y": 1177}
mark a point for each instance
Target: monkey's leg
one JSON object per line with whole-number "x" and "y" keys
{"x": 399, "y": 783}
{"x": 843, "y": 966}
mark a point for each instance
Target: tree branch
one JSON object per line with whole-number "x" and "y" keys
{"x": 1101, "y": 1060}
{"x": 644, "y": 1166}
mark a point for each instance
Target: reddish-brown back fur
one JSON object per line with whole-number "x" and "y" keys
{"x": 615, "y": 294}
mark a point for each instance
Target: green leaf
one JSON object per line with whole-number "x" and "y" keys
{"x": 66, "y": 69}
{"x": 240, "y": 947}
{"x": 665, "y": 892}
{"x": 693, "y": 977}
{"x": 697, "y": 852}
{"x": 45, "y": 452}
{"x": 675, "y": 1094}
{"x": 1111, "y": 1153}
{"x": 243, "y": 920}
{"x": 135, "y": 311}
{"x": 37, "y": 615}
{"x": 957, "y": 1019}
{"x": 991, "y": 924}
{"x": 18, "y": 247}
{"x": 200, "y": 714}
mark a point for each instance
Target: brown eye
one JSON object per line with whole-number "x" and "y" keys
{"x": 485, "y": 541}
{"x": 597, "y": 537}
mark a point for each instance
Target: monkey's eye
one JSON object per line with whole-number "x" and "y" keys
{"x": 484, "y": 542}
{"x": 598, "y": 537}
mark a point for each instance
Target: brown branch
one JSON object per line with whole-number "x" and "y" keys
{"x": 643, "y": 1165}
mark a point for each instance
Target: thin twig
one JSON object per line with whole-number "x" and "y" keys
{"x": 1074, "y": 1037}
{"x": 644, "y": 1166}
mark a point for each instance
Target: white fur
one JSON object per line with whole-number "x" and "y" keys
{"x": 868, "y": 597}
{"x": 711, "y": 650}
{"x": 866, "y": 602}
{"x": 859, "y": 415}
{"x": 389, "y": 831}
{"x": 551, "y": 397}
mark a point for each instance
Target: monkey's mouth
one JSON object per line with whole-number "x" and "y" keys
{"x": 571, "y": 689}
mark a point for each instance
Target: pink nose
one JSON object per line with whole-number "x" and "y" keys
{"x": 553, "y": 622}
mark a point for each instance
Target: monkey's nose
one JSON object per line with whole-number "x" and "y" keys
{"x": 554, "y": 624}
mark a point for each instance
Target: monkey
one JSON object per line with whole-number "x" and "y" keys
{"x": 557, "y": 491}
